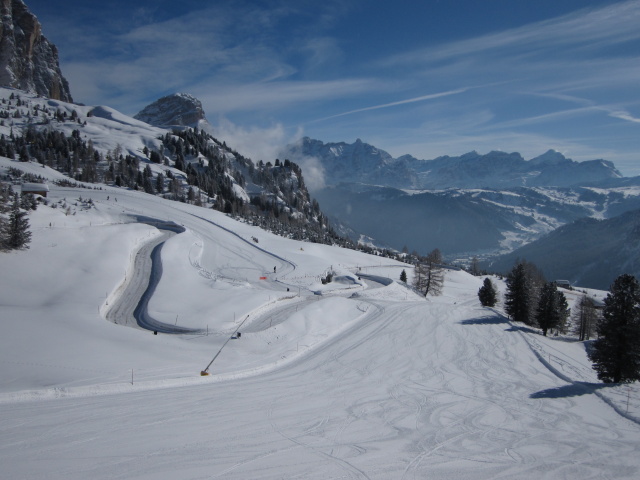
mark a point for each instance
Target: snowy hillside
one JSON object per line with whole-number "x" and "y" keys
{"x": 586, "y": 252}
{"x": 101, "y": 145}
{"x": 107, "y": 128}
{"x": 357, "y": 378}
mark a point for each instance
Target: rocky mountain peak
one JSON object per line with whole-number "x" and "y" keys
{"x": 178, "y": 109}
{"x": 550, "y": 157}
{"x": 28, "y": 61}
{"x": 358, "y": 162}
{"x": 364, "y": 163}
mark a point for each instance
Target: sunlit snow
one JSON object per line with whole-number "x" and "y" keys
{"x": 359, "y": 378}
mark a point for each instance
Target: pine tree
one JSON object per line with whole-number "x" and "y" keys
{"x": 147, "y": 184}
{"x": 160, "y": 183}
{"x": 616, "y": 352}
{"x": 403, "y": 276}
{"x": 18, "y": 234}
{"x": 28, "y": 202}
{"x": 487, "y": 294}
{"x": 3, "y": 229}
{"x": 518, "y": 295}
{"x": 553, "y": 310}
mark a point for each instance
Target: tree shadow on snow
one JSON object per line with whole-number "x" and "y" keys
{"x": 515, "y": 328}
{"x": 571, "y": 390}
{"x": 484, "y": 321}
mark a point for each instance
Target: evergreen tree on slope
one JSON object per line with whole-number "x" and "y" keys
{"x": 518, "y": 302}
{"x": 553, "y": 310}
{"x": 616, "y": 352}
{"x": 403, "y": 276}
{"x": 18, "y": 234}
{"x": 487, "y": 294}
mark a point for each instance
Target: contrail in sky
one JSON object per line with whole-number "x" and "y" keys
{"x": 401, "y": 102}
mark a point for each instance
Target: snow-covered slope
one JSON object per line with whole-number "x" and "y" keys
{"x": 585, "y": 252}
{"x": 352, "y": 379}
{"x": 107, "y": 128}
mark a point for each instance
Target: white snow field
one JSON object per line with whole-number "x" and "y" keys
{"x": 356, "y": 379}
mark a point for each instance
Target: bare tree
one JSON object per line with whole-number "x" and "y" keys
{"x": 474, "y": 269}
{"x": 435, "y": 256}
{"x": 585, "y": 318}
{"x": 429, "y": 274}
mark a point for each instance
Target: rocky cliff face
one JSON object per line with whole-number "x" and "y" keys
{"x": 179, "y": 109}
{"x": 28, "y": 60}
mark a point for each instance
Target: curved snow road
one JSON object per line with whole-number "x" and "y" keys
{"x": 132, "y": 304}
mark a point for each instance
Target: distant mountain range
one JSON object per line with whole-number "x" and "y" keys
{"x": 360, "y": 162}
{"x": 475, "y": 205}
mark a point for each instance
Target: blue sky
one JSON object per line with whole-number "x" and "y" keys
{"x": 427, "y": 78}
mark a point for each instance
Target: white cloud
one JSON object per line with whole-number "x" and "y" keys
{"x": 400, "y": 102}
{"x": 583, "y": 30}
{"x": 278, "y": 95}
{"x": 565, "y": 55}
{"x": 267, "y": 144}
{"x": 621, "y": 114}
{"x": 313, "y": 172}
{"x": 254, "y": 142}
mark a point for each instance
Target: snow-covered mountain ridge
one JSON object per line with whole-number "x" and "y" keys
{"x": 98, "y": 144}
{"x": 356, "y": 162}
{"x": 471, "y": 205}
{"x": 363, "y": 163}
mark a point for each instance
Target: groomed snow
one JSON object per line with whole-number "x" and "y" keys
{"x": 353, "y": 379}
